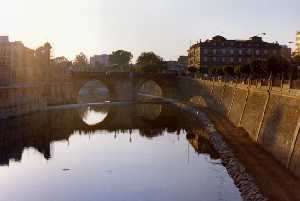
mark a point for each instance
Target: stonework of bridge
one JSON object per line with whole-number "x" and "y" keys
{"x": 121, "y": 86}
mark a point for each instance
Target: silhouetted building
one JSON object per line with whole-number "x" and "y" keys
{"x": 99, "y": 60}
{"x": 220, "y": 52}
{"x": 18, "y": 63}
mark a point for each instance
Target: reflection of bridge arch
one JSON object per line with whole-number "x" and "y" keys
{"x": 93, "y": 116}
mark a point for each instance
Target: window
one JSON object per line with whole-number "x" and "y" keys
{"x": 231, "y": 59}
{"x": 214, "y": 51}
{"x": 266, "y": 52}
{"x": 214, "y": 59}
{"x": 240, "y": 51}
{"x": 223, "y": 59}
{"x": 205, "y": 51}
{"x": 231, "y": 51}
{"x": 249, "y": 51}
{"x": 274, "y": 52}
{"x": 257, "y": 52}
{"x": 205, "y": 59}
{"x": 223, "y": 51}
{"x": 240, "y": 60}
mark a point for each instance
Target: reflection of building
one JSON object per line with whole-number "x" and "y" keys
{"x": 220, "y": 52}
{"x": 99, "y": 60}
{"x": 297, "y": 51}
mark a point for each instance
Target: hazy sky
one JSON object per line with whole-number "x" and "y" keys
{"x": 163, "y": 26}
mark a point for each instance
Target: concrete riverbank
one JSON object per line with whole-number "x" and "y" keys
{"x": 269, "y": 114}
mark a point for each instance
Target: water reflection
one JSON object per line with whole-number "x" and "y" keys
{"x": 125, "y": 157}
{"x": 93, "y": 116}
{"x": 149, "y": 112}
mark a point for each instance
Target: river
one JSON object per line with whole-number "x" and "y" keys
{"x": 111, "y": 152}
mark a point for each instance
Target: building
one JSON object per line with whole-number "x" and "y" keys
{"x": 178, "y": 66}
{"x": 19, "y": 64}
{"x": 183, "y": 60}
{"x": 6, "y": 72}
{"x": 194, "y": 56}
{"x": 99, "y": 60}
{"x": 219, "y": 52}
{"x": 297, "y": 51}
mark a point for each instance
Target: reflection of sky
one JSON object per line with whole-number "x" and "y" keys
{"x": 92, "y": 117}
{"x": 105, "y": 168}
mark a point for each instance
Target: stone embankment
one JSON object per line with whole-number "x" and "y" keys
{"x": 17, "y": 100}
{"x": 269, "y": 114}
{"x": 21, "y": 99}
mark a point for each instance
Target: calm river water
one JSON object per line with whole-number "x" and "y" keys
{"x": 144, "y": 152}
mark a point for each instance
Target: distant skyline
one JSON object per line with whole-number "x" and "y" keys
{"x": 166, "y": 27}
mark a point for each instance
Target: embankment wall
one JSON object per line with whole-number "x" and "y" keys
{"x": 270, "y": 115}
{"x": 19, "y": 100}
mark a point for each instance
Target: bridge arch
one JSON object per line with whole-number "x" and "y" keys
{"x": 149, "y": 88}
{"x": 94, "y": 91}
{"x": 126, "y": 86}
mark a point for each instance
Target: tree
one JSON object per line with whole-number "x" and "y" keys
{"x": 150, "y": 62}
{"x": 245, "y": 70}
{"x": 256, "y": 68}
{"x": 80, "y": 60}
{"x": 212, "y": 71}
{"x": 192, "y": 69}
{"x": 277, "y": 65}
{"x": 229, "y": 70}
{"x": 120, "y": 57}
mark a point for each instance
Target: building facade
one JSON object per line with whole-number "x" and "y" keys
{"x": 19, "y": 64}
{"x": 194, "y": 56}
{"x": 183, "y": 60}
{"x": 220, "y": 52}
{"x": 99, "y": 60}
{"x": 297, "y": 51}
{"x": 6, "y": 72}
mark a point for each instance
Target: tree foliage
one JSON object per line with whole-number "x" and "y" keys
{"x": 120, "y": 57}
{"x": 80, "y": 60}
{"x": 273, "y": 66}
{"x": 150, "y": 62}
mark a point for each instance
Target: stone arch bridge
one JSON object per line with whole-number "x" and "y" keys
{"x": 122, "y": 86}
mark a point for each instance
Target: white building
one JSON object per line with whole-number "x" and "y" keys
{"x": 99, "y": 60}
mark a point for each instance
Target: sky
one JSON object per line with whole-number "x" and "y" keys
{"x": 166, "y": 27}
